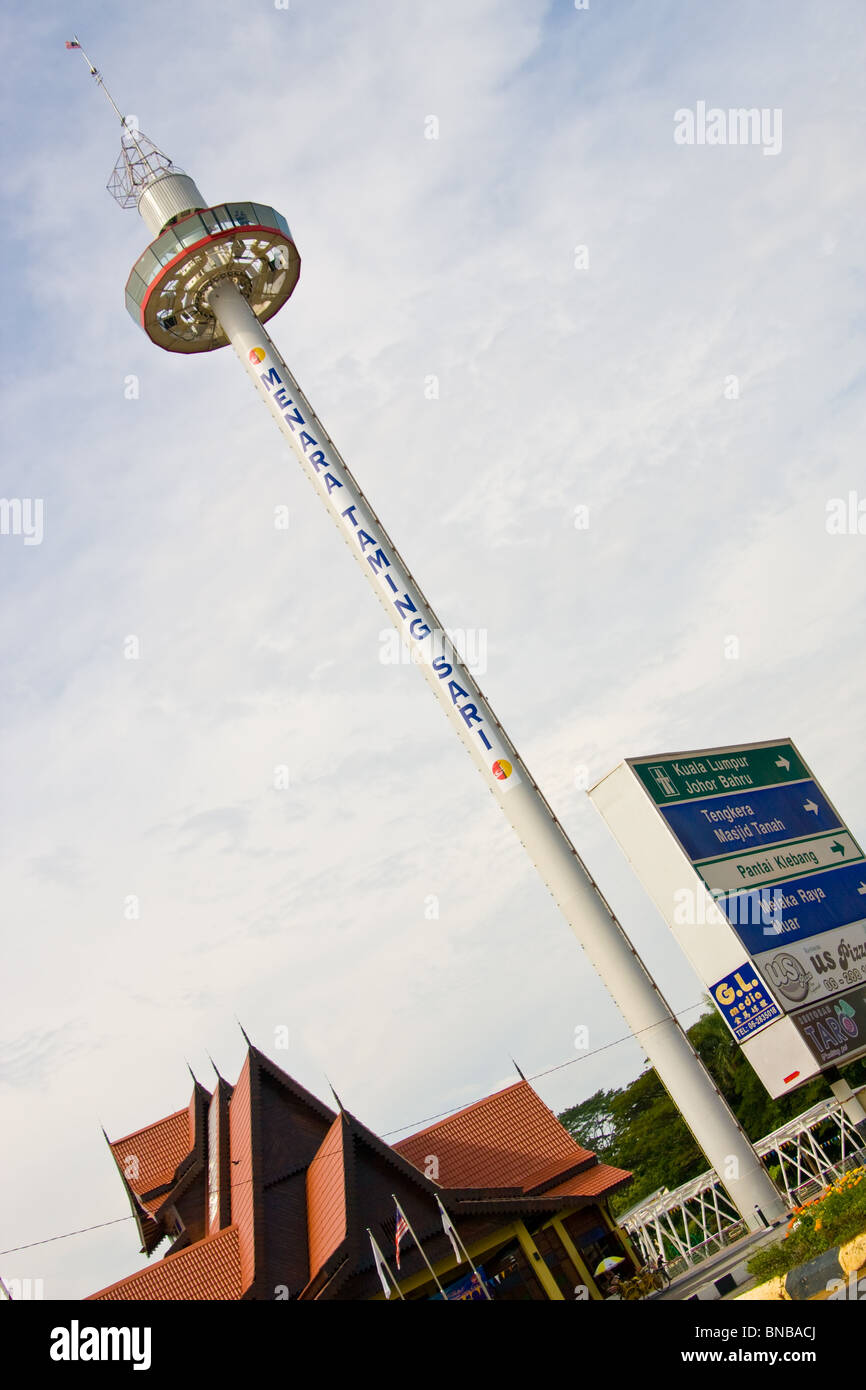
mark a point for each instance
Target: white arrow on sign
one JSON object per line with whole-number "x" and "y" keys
{"x": 862, "y": 888}
{"x": 810, "y": 806}
{"x": 783, "y": 762}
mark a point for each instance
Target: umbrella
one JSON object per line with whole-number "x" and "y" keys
{"x": 610, "y": 1263}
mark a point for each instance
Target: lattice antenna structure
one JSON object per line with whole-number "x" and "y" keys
{"x": 140, "y": 162}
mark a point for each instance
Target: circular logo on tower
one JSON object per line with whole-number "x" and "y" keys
{"x": 502, "y": 769}
{"x": 257, "y": 355}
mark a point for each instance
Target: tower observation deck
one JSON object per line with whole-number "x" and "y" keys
{"x": 197, "y": 247}
{"x": 213, "y": 275}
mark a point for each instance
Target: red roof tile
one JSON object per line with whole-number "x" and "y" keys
{"x": 508, "y": 1147}
{"x": 549, "y": 1172}
{"x": 509, "y": 1139}
{"x": 210, "y": 1269}
{"x": 326, "y": 1198}
{"x": 158, "y": 1150}
{"x": 596, "y": 1180}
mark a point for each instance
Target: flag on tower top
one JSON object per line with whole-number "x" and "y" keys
{"x": 72, "y": 43}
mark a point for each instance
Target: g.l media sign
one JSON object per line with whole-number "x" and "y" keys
{"x": 744, "y": 1002}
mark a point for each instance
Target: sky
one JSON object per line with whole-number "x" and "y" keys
{"x": 604, "y": 388}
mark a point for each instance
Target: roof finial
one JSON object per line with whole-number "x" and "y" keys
{"x": 340, "y": 1105}
{"x": 214, "y": 1065}
{"x": 243, "y": 1030}
{"x": 517, "y": 1069}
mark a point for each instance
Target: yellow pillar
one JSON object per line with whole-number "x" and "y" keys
{"x": 537, "y": 1265}
{"x": 575, "y": 1256}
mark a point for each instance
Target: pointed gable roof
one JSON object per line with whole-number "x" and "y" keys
{"x": 294, "y": 1120}
{"x": 275, "y": 1129}
{"x": 300, "y": 1185}
{"x": 158, "y": 1163}
{"x": 210, "y": 1269}
{"x": 150, "y": 1157}
{"x": 353, "y": 1177}
{"x": 327, "y": 1183}
{"x": 507, "y": 1140}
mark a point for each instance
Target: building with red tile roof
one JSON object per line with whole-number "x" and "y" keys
{"x": 264, "y": 1192}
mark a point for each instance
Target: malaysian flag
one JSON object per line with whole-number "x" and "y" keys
{"x": 72, "y": 43}
{"x": 402, "y": 1228}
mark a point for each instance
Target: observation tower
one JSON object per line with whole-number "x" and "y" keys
{"x": 214, "y": 275}
{"x": 244, "y": 248}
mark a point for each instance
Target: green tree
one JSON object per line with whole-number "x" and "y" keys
{"x": 591, "y": 1123}
{"x": 652, "y": 1139}
{"x": 640, "y": 1128}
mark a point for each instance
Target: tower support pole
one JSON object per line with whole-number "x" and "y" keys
{"x": 572, "y": 886}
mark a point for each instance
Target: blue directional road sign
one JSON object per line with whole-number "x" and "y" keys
{"x": 750, "y": 820}
{"x": 784, "y": 868}
{"x": 799, "y": 907}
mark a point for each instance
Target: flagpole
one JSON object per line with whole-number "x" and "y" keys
{"x": 381, "y": 1261}
{"x": 449, "y": 1226}
{"x": 95, "y": 73}
{"x": 420, "y": 1246}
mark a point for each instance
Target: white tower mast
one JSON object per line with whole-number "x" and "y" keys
{"x": 213, "y": 276}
